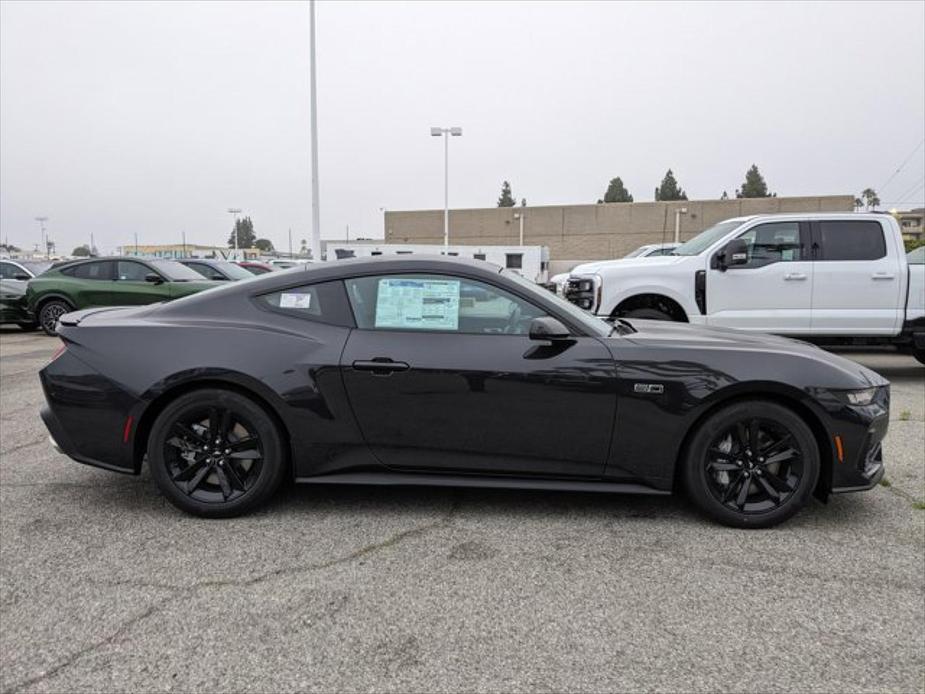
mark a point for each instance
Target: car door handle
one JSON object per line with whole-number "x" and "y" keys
{"x": 882, "y": 276}
{"x": 380, "y": 366}
{"x": 795, "y": 276}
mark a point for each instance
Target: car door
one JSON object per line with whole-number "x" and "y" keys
{"x": 88, "y": 284}
{"x": 442, "y": 376}
{"x": 130, "y": 288}
{"x": 772, "y": 292}
{"x": 857, "y": 286}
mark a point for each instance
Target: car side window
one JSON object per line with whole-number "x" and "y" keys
{"x": 778, "y": 242}
{"x": 438, "y": 303}
{"x": 130, "y": 271}
{"x": 850, "y": 240}
{"x": 8, "y": 271}
{"x": 206, "y": 271}
{"x": 91, "y": 271}
{"x": 324, "y": 302}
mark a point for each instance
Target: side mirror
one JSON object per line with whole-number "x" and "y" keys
{"x": 153, "y": 278}
{"x": 22, "y": 277}
{"x": 548, "y": 328}
{"x": 735, "y": 253}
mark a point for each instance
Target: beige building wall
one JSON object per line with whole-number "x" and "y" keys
{"x": 576, "y": 233}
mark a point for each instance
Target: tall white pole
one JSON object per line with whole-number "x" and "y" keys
{"x": 316, "y": 210}
{"x": 446, "y": 190}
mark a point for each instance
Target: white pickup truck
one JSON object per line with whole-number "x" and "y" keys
{"x": 840, "y": 278}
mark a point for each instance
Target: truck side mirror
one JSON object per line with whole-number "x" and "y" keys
{"x": 734, "y": 253}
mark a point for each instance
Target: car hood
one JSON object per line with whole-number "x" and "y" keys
{"x": 702, "y": 338}
{"x": 627, "y": 263}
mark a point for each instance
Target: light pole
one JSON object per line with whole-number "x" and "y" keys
{"x": 41, "y": 221}
{"x": 677, "y": 223}
{"x": 235, "y": 211}
{"x": 446, "y": 132}
{"x": 316, "y": 209}
{"x": 520, "y": 216}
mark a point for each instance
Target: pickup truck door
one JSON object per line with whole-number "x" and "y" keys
{"x": 772, "y": 292}
{"x": 859, "y": 283}
{"x": 443, "y": 377}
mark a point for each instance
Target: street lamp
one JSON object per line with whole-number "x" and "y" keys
{"x": 446, "y": 132}
{"x": 235, "y": 211}
{"x": 677, "y": 223}
{"x": 41, "y": 221}
{"x": 520, "y": 216}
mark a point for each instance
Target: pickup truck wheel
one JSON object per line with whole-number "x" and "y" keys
{"x": 752, "y": 464}
{"x": 49, "y": 314}
{"x": 648, "y": 314}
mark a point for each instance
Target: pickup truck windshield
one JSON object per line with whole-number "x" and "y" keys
{"x": 706, "y": 238}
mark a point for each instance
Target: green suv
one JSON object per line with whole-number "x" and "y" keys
{"x": 108, "y": 282}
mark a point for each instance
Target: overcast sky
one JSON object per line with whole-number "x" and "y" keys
{"x": 125, "y": 117}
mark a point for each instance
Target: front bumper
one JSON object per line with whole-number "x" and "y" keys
{"x": 861, "y": 429}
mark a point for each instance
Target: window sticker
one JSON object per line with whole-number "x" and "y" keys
{"x": 418, "y": 304}
{"x": 294, "y": 300}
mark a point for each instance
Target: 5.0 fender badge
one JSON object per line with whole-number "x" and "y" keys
{"x": 648, "y": 388}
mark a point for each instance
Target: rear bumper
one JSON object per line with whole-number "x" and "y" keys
{"x": 61, "y": 443}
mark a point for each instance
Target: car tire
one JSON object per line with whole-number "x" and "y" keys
{"x": 746, "y": 488}
{"x": 648, "y": 314}
{"x": 28, "y": 327}
{"x": 49, "y": 314}
{"x": 919, "y": 355}
{"x": 216, "y": 453}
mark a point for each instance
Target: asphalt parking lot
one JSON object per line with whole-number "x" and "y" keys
{"x": 106, "y": 587}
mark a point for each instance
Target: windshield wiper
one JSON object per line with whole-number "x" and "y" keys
{"x": 622, "y": 326}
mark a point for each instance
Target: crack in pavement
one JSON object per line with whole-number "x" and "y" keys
{"x": 189, "y": 591}
{"x": 21, "y": 447}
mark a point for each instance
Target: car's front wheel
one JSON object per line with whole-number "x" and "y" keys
{"x": 216, "y": 453}
{"x": 752, "y": 464}
{"x": 49, "y": 314}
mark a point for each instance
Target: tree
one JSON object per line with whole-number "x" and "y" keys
{"x": 264, "y": 245}
{"x": 754, "y": 186}
{"x": 617, "y": 192}
{"x": 724, "y": 196}
{"x": 246, "y": 235}
{"x": 506, "y": 199}
{"x": 669, "y": 189}
{"x": 9, "y": 248}
{"x": 81, "y": 251}
{"x": 523, "y": 202}
{"x": 858, "y": 204}
{"x": 870, "y": 198}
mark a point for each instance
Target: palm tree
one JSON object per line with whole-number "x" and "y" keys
{"x": 858, "y": 204}
{"x": 870, "y": 198}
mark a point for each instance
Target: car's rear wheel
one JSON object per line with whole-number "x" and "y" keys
{"x": 752, "y": 464}
{"x": 216, "y": 453}
{"x": 49, "y": 314}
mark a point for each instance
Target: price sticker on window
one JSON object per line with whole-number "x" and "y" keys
{"x": 295, "y": 300}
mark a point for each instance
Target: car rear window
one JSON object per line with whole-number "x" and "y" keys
{"x": 324, "y": 302}
{"x": 851, "y": 240}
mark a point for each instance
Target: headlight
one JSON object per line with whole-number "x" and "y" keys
{"x": 862, "y": 396}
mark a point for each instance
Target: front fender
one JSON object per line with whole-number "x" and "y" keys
{"x": 611, "y": 298}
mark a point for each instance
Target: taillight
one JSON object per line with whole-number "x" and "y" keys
{"x": 59, "y": 351}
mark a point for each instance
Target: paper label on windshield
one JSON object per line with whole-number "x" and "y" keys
{"x": 418, "y": 304}
{"x": 293, "y": 300}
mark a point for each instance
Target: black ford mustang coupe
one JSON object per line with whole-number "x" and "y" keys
{"x": 437, "y": 371}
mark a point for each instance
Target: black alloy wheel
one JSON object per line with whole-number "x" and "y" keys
{"x": 752, "y": 464}
{"x": 648, "y": 314}
{"x": 215, "y": 453}
{"x": 50, "y": 313}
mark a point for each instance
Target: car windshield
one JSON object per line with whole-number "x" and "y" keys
{"x": 596, "y": 326}
{"x": 232, "y": 270}
{"x": 173, "y": 270}
{"x": 707, "y": 238}
{"x": 639, "y": 251}
{"x": 36, "y": 268}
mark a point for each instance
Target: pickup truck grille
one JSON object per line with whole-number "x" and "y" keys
{"x": 580, "y": 292}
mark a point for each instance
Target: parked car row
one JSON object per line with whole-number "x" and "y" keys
{"x": 826, "y": 278}
{"x": 37, "y": 293}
